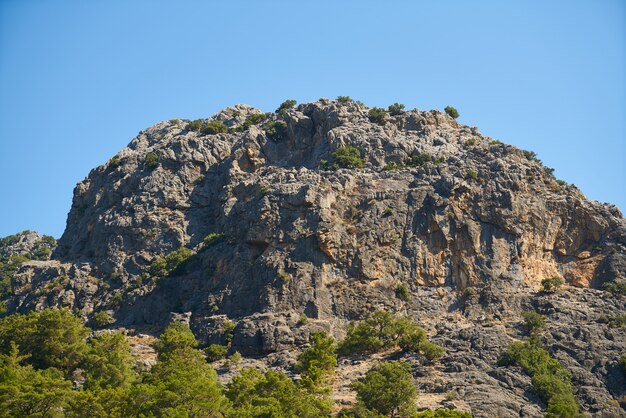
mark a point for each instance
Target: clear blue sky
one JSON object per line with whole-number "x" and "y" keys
{"x": 79, "y": 79}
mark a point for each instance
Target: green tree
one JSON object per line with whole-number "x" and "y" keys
{"x": 533, "y": 322}
{"x": 272, "y": 394}
{"x": 395, "y": 109}
{"x": 344, "y": 99}
{"x": 26, "y": 392}
{"x": 285, "y": 106}
{"x": 552, "y": 284}
{"x": 317, "y": 363}
{"x": 177, "y": 336}
{"x": 377, "y": 115}
{"x": 388, "y": 389}
{"x": 348, "y": 157}
{"x": 152, "y": 160}
{"x": 452, "y": 112}
{"x": 109, "y": 363}
{"x": 214, "y": 127}
{"x": 171, "y": 263}
{"x": 180, "y": 385}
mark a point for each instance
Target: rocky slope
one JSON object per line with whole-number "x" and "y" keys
{"x": 469, "y": 225}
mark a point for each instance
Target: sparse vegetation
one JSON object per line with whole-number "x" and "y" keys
{"x": 276, "y": 130}
{"x": 550, "y": 380}
{"x": 152, "y": 160}
{"x": 285, "y": 106}
{"x": 165, "y": 266}
{"x": 195, "y": 125}
{"x": 215, "y": 352}
{"x": 214, "y": 127}
{"x": 114, "y": 162}
{"x": 388, "y": 212}
{"x": 616, "y": 288}
{"x": 402, "y": 292}
{"x": 388, "y": 389}
{"x": 552, "y": 284}
{"x": 212, "y": 238}
{"x": 533, "y": 322}
{"x": 348, "y": 157}
{"x": 102, "y": 319}
{"x": 377, "y": 115}
{"x": 452, "y": 112}
{"x": 254, "y": 119}
{"x": 344, "y": 99}
{"x": 471, "y": 175}
{"x": 395, "y": 109}
{"x": 382, "y": 330}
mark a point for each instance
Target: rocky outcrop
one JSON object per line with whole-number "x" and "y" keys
{"x": 437, "y": 207}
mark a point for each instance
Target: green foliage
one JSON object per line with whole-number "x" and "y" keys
{"x": 285, "y": 106}
{"x": 383, "y": 330}
{"x": 114, "y": 162}
{"x": 25, "y": 391}
{"x": 165, "y": 266}
{"x": 229, "y": 331}
{"x": 348, "y": 157}
{"x": 51, "y": 338}
{"x": 272, "y": 394}
{"x": 303, "y": 320}
{"x": 616, "y": 321}
{"x": 419, "y": 159}
{"x": 531, "y": 155}
{"x": 388, "y": 212}
{"x": 317, "y": 363}
{"x": 552, "y": 284}
{"x": 395, "y": 109}
{"x": 393, "y": 166}
{"x": 177, "y": 336}
{"x": 550, "y": 380}
{"x": 533, "y": 322}
{"x": 212, "y": 239}
{"x": 276, "y": 130}
{"x": 452, "y": 112}
{"x": 215, "y": 352}
{"x": 152, "y": 160}
{"x": 214, "y": 127}
{"x": 388, "y": 389}
{"x": 254, "y": 119}
{"x": 344, "y": 99}
{"x": 377, "y": 115}
{"x": 471, "y": 174}
{"x": 102, "y": 318}
{"x": 402, "y": 292}
{"x": 180, "y": 385}
{"x": 109, "y": 363}
{"x": 616, "y": 288}
{"x": 195, "y": 125}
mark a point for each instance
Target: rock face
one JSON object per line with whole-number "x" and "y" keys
{"x": 437, "y": 208}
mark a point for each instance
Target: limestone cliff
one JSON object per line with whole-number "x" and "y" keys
{"x": 437, "y": 208}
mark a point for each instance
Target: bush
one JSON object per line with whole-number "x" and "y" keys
{"x": 254, "y": 119}
{"x": 388, "y": 389}
{"x": 285, "y": 106}
{"x": 177, "y": 336}
{"x": 276, "y": 130}
{"x": 348, "y": 157}
{"x": 533, "y": 322}
{"x": 395, "y": 109}
{"x": 229, "y": 331}
{"x": 452, "y": 112}
{"x": 152, "y": 160}
{"x": 165, "y": 266}
{"x": 471, "y": 174}
{"x": 388, "y": 212}
{"x": 403, "y": 293}
{"x": 383, "y": 330}
{"x": 215, "y": 352}
{"x": 377, "y": 115}
{"x": 419, "y": 159}
{"x": 615, "y": 288}
{"x": 195, "y": 125}
{"x": 214, "y": 127}
{"x": 552, "y": 284}
{"x": 212, "y": 239}
{"x": 344, "y": 99}
{"x": 550, "y": 380}
{"x": 114, "y": 162}
{"x": 102, "y": 318}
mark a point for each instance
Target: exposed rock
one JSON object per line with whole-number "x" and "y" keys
{"x": 471, "y": 233}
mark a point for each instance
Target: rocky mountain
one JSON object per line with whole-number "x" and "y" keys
{"x": 305, "y": 219}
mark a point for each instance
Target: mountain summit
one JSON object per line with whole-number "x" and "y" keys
{"x": 307, "y": 218}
